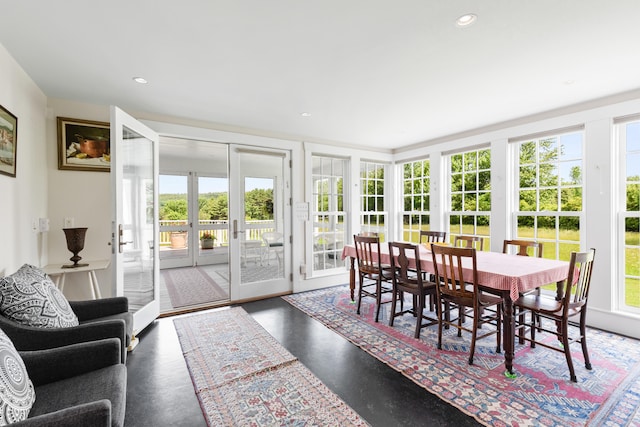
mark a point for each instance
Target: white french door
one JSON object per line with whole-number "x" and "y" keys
{"x": 259, "y": 208}
{"x": 194, "y": 193}
{"x": 134, "y": 182}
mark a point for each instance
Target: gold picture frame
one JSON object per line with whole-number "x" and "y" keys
{"x": 83, "y": 145}
{"x": 8, "y": 142}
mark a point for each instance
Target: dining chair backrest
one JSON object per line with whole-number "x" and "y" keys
{"x": 577, "y": 294}
{"x": 428, "y": 236}
{"x": 406, "y": 274}
{"x": 367, "y": 250}
{"x": 368, "y": 234}
{"x": 448, "y": 264}
{"x": 475, "y": 242}
{"x": 522, "y": 248}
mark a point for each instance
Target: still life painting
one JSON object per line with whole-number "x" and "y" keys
{"x": 83, "y": 145}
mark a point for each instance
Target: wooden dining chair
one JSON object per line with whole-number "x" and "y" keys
{"x": 428, "y": 236}
{"x": 522, "y": 248}
{"x": 454, "y": 288}
{"x": 411, "y": 280}
{"x": 476, "y": 242}
{"x": 374, "y": 277}
{"x": 573, "y": 304}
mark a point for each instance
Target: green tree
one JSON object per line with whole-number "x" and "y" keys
{"x": 175, "y": 209}
{"x": 633, "y": 204}
{"x": 258, "y": 204}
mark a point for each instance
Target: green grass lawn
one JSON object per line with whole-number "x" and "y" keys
{"x": 563, "y": 250}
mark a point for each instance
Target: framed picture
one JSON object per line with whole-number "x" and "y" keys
{"x": 83, "y": 145}
{"x": 8, "y": 142}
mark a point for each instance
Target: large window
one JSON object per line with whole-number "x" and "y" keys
{"x": 549, "y": 192}
{"x": 629, "y": 143}
{"x": 415, "y": 199}
{"x": 470, "y": 194}
{"x": 373, "y": 216}
{"x": 328, "y": 212}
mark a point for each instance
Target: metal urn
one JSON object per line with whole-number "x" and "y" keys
{"x": 75, "y": 243}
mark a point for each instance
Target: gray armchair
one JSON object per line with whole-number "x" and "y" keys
{"x": 99, "y": 319}
{"x": 77, "y": 385}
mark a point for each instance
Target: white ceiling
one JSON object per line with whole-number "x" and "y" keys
{"x": 377, "y": 73}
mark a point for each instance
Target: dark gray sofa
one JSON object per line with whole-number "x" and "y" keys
{"x": 77, "y": 385}
{"x": 102, "y": 318}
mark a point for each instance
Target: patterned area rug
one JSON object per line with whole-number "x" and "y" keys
{"x": 191, "y": 286}
{"x": 540, "y": 395}
{"x": 244, "y": 377}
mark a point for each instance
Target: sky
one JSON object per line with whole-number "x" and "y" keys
{"x": 633, "y": 146}
{"x": 176, "y": 184}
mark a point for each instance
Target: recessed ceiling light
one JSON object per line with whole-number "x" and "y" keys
{"x": 305, "y": 114}
{"x": 140, "y": 80}
{"x": 466, "y": 20}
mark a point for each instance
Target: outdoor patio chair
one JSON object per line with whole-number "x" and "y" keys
{"x": 273, "y": 242}
{"x": 573, "y": 304}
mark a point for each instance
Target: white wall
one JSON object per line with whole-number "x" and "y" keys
{"x": 83, "y": 196}
{"x": 24, "y": 197}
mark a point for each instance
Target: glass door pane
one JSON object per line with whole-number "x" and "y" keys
{"x": 213, "y": 220}
{"x": 261, "y": 251}
{"x": 134, "y": 171}
{"x": 174, "y": 221}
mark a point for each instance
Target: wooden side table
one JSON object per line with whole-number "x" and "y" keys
{"x": 58, "y": 274}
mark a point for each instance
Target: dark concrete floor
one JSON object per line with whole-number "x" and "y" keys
{"x": 160, "y": 392}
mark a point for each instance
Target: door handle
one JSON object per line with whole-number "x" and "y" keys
{"x": 121, "y": 243}
{"x": 235, "y": 229}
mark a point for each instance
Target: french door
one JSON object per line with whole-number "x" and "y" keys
{"x": 193, "y": 210}
{"x": 260, "y": 222}
{"x": 239, "y": 195}
{"x": 134, "y": 182}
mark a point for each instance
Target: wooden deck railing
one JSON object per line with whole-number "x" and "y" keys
{"x": 219, "y": 229}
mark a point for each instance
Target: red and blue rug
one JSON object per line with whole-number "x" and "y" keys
{"x": 540, "y": 395}
{"x": 244, "y": 377}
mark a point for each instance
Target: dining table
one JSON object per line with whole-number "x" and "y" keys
{"x": 505, "y": 275}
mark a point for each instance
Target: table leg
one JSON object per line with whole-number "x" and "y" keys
{"x": 95, "y": 288}
{"x": 508, "y": 334}
{"x": 60, "y": 282}
{"x": 352, "y": 278}
{"x": 56, "y": 280}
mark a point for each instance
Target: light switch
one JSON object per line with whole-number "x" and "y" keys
{"x": 43, "y": 224}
